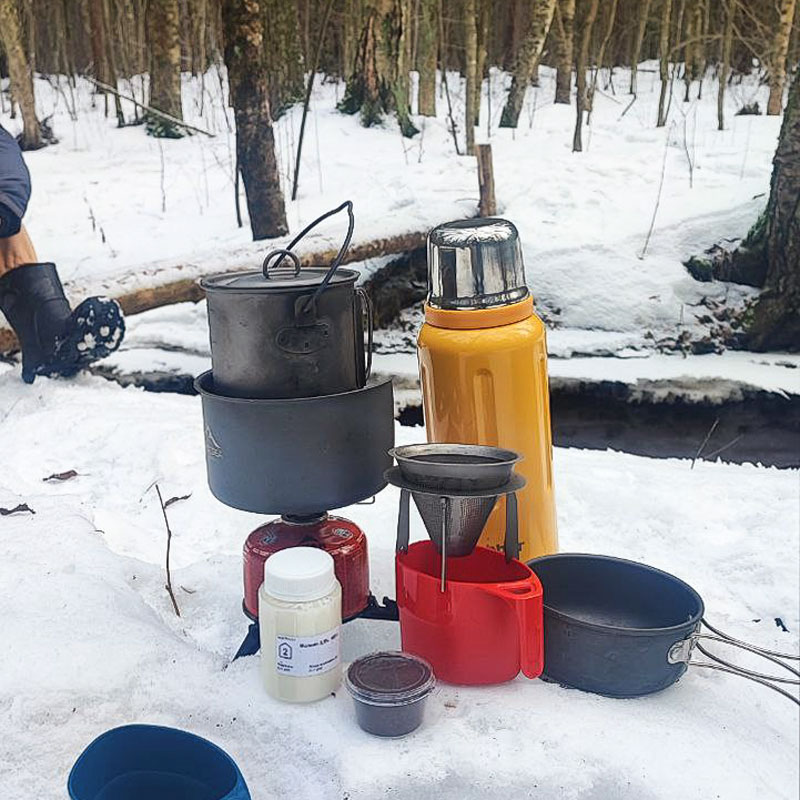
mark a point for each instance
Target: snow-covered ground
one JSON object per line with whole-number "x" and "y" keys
{"x": 114, "y": 207}
{"x": 90, "y": 640}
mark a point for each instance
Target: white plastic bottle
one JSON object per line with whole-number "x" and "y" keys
{"x": 299, "y": 617}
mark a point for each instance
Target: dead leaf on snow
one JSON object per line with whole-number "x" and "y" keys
{"x": 61, "y": 476}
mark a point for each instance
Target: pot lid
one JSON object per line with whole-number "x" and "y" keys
{"x": 254, "y": 281}
{"x": 389, "y": 679}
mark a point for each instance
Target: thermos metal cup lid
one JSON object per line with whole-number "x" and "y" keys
{"x": 475, "y": 264}
{"x": 299, "y": 574}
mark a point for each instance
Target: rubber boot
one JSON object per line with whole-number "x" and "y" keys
{"x": 55, "y": 340}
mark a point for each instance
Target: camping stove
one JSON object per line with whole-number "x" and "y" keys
{"x": 340, "y": 537}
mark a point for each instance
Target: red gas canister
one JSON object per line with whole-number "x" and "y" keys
{"x": 343, "y": 539}
{"x": 484, "y": 628}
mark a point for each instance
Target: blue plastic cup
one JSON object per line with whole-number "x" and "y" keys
{"x": 138, "y": 762}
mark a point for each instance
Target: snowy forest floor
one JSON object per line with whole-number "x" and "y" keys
{"x": 90, "y": 637}
{"x": 119, "y": 210}
{"x": 91, "y": 640}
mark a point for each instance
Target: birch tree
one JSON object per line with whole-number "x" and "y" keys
{"x": 20, "y": 73}
{"x": 780, "y": 50}
{"x": 527, "y": 60}
{"x": 243, "y": 26}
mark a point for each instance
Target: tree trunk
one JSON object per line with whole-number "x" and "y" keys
{"x": 663, "y": 53}
{"x": 565, "y": 28}
{"x": 725, "y": 66}
{"x": 641, "y": 28}
{"x": 611, "y": 16}
{"x": 243, "y": 27}
{"x": 527, "y": 60}
{"x": 694, "y": 27}
{"x": 426, "y": 57}
{"x": 780, "y": 50}
{"x": 470, "y": 72}
{"x": 283, "y": 56}
{"x": 580, "y": 71}
{"x": 775, "y": 322}
{"x": 163, "y": 34}
{"x": 379, "y": 82}
{"x": 20, "y": 73}
{"x": 481, "y": 54}
{"x": 111, "y": 64}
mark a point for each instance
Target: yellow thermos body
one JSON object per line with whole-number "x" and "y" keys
{"x": 483, "y": 366}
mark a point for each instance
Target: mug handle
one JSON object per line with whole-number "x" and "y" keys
{"x": 526, "y": 600}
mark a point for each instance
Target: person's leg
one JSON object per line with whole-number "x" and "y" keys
{"x": 53, "y": 339}
{"x": 15, "y": 251}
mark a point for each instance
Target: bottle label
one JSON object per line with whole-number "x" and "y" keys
{"x": 301, "y": 656}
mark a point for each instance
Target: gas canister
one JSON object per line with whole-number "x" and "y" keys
{"x": 483, "y": 366}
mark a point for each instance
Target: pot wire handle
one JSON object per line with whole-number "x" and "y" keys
{"x": 265, "y": 266}
{"x": 682, "y": 652}
{"x": 755, "y": 651}
{"x": 733, "y": 670}
{"x": 348, "y": 204}
{"x": 728, "y": 638}
{"x": 366, "y": 310}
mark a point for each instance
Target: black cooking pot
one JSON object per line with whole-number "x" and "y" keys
{"x": 297, "y": 456}
{"x": 290, "y": 331}
{"x": 610, "y": 624}
{"x": 281, "y": 333}
{"x": 623, "y": 629}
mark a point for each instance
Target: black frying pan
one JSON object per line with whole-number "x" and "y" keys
{"x": 624, "y": 629}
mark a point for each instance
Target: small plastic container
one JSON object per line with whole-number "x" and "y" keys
{"x": 389, "y": 690}
{"x": 300, "y": 617}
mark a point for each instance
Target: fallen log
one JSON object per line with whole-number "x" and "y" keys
{"x": 167, "y": 289}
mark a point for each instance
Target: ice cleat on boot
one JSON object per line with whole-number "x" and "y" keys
{"x": 53, "y": 339}
{"x": 95, "y": 329}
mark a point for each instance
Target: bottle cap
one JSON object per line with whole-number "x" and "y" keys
{"x": 475, "y": 264}
{"x": 299, "y": 574}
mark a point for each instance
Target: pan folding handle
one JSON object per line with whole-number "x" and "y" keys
{"x": 681, "y": 652}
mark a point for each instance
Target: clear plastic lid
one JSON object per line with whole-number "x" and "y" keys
{"x": 474, "y": 264}
{"x": 389, "y": 679}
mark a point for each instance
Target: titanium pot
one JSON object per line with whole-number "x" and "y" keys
{"x": 289, "y": 331}
{"x": 276, "y": 336}
{"x": 623, "y": 629}
{"x": 297, "y": 456}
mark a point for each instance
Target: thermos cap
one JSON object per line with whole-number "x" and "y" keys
{"x": 299, "y": 574}
{"x": 475, "y": 264}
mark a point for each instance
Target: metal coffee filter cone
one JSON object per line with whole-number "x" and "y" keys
{"x": 466, "y": 519}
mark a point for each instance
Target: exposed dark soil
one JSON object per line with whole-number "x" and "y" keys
{"x": 760, "y": 429}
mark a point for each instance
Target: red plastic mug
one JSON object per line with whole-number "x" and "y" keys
{"x": 484, "y": 628}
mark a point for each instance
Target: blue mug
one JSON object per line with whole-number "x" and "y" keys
{"x": 135, "y": 762}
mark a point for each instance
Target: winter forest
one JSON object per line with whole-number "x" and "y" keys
{"x": 196, "y": 351}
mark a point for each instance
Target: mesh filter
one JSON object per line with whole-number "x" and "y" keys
{"x": 466, "y": 519}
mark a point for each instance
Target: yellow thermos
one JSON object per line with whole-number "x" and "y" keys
{"x": 483, "y": 366}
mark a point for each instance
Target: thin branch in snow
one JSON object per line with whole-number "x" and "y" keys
{"x": 658, "y": 197}
{"x": 168, "y": 585}
{"x": 705, "y": 442}
{"x": 724, "y": 447}
{"x": 163, "y": 169}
